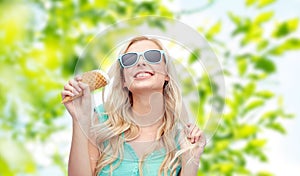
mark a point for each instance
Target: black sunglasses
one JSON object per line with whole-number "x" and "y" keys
{"x": 152, "y": 56}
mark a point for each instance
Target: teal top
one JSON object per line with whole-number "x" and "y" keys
{"x": 129, "y": 164}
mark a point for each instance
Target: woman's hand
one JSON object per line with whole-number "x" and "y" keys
{"x": 196, "y": 137}
{"x": 80, "y": 108}
{"x": 191, "y": 137}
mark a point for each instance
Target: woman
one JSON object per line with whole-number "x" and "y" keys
{"x": 141, "y": 128}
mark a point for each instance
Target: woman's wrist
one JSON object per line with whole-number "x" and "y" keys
{"x": 191, "y": 156}
{"x": 190, "y": 162}
{"x": 82, "y": 122}
{"x": 189, "y": 168}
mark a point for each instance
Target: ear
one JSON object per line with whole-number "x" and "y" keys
{"x": 167, "y": 78}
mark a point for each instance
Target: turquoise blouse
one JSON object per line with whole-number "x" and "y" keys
{"x": 129, "y": 164}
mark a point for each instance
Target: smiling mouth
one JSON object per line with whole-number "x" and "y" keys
{"x": 143, "y": 74}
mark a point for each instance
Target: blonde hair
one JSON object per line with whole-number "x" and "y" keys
{"x": 109, "y": 134}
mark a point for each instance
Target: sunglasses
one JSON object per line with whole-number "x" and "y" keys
{"x": 152, "y": 56}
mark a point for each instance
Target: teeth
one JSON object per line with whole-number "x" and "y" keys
{"x": 140, "y": 75}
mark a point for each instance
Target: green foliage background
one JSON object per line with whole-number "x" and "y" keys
{"x": 39, "y": 50}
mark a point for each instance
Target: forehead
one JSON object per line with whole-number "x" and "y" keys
{"x": 142, "y": 46}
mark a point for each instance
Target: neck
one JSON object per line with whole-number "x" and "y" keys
{"x": 148, "y": 108}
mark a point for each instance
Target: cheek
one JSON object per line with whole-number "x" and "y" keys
{"x": 127, "y": 74}
{"x": 160, "y": 69}
{"x": 161, "y": 73}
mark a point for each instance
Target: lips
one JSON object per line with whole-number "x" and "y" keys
{"x": 143, "y": 74}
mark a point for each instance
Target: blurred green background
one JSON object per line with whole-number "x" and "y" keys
{"x": 257, "y": 42}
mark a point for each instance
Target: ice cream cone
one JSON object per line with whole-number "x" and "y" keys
{"x": 95, "y": 79}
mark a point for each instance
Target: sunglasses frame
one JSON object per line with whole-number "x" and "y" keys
{"x": 139, "y": 54}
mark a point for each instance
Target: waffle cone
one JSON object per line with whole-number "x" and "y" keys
{"x": 95, "y": 79}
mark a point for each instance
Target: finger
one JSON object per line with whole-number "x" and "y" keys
{"x": 195, "y": 131}
{"x": 198, "y": 136}
{"x": 74, "y": 83}
{"x": 84, "y": 87}
{"x": 187, "y": 129}
{"x": 192, "y": 140}
{"x": 78, "y": 78}
{"x": 191, "y": 129}
{"x": 195, "y": 134}
{"x": 70, "y": 88}
{"x": 65, "y": 93}
{"x": 197, "y": 139}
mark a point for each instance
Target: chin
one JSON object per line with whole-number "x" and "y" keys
{"x": 143, "y": 88}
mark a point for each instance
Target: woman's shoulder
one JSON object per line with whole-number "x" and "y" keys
{"x": 101, "y": 113}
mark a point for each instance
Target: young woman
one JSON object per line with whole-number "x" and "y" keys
{"x": 141, "y": 128}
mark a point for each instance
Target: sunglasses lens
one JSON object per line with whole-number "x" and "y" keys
{"x": 129, "y": 59}
{"x": 153, "y": 56}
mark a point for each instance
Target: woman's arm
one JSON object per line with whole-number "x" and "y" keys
{"x": 81, "y": 160}
{"x": 84, "y": 153}
{"x": 189, "y": 167}
{"x": 191, "y": 160}
{"x": 94, "y": 155}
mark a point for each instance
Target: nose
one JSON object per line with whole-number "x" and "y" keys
{"x": 141, "y": 61}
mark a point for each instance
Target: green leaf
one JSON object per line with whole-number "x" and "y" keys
{"x": 245, "y": 27}
{"x": 257, "y": 143}
{"x": 194, "y": 56}
{"x": 264, "y": 173}
{"x": 250, "y": 2}
{"x": 222, "y": 145}
{"x": 291, "y": 44}
{"x": 277, "y": 127}
{"x": 215, "y": 29}
{"x": 253, "y": 105}
{"x": 263, "y": 3}
{"x": 253, "y": 34}
{"x": 234, "y": 18}
{"x": 257, "y": 77}
{"x": 245, "y": 131}
{"x": 265, "y": 65}
{"x": 287, "y": 115}
{"x": 249, "y": 90}
{"x": 165, "y": 12}
{"x": 145, "y": 6}
{"x": 224, "y": 167}
{"x": 265, "y": 94}
{"x": 286, "y": 28}
{"x": 242, "y": 65}
{"x": 261, "y": 156}
{"x": 269, "y": 116}
{"x": 263, "y": 17}
{"x": 287, "y": 45}
{"x": 262, "y": 45}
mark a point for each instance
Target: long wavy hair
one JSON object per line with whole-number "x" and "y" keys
{"x": 110, "y": 135}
